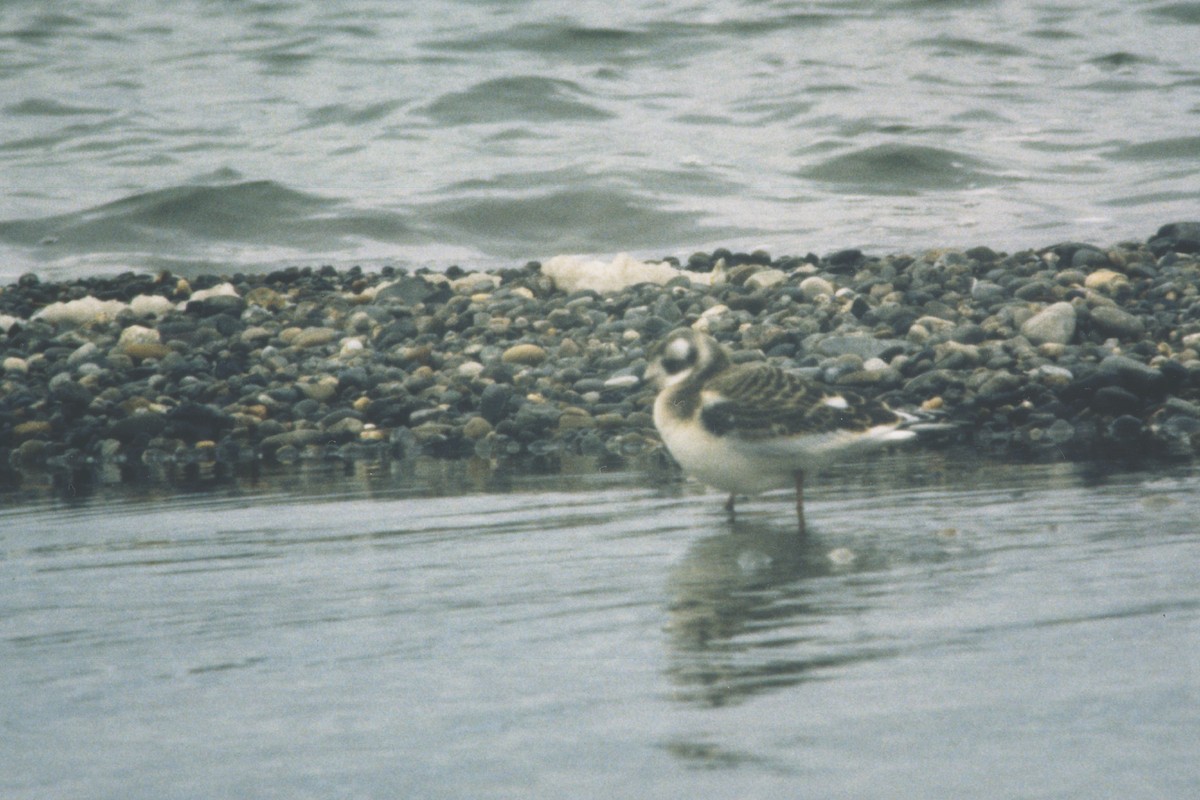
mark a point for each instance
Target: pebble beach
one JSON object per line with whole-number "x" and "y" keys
{"x": 1070, "y": 351}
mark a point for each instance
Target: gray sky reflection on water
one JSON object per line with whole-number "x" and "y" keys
{"x": 949, "y": 624}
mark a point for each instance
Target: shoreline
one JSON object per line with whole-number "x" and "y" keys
{"x": 1068, "y": 352}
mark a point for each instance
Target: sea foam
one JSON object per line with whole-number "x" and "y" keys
{"x": 575, "y": 273}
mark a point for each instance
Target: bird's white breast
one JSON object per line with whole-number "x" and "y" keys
{"x": 722, "y": 462}
{"x": 750, "y": 466}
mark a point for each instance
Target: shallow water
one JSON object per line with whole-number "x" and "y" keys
{"x": 950, "y": 628}
{"x": 206, "y": 136}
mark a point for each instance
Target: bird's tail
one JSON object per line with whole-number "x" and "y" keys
{"x": 924, "y": 423}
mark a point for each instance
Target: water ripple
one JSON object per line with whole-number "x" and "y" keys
{"x": 903, "y": 168}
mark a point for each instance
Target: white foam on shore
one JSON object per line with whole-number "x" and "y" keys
{"x": 220, "y": 290}
{"x": 90, "y": 310}
{"x": 81, "y": 312}
{"x": 575, "y": 273}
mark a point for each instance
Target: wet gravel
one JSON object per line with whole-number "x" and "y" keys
{"x": 1072, "y": 351}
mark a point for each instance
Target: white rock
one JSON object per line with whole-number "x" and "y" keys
{"x": 815, "y": 286}
{"x": 217, "y": 291}
{"x": 351, "y": 345}
{"x": 766, "y": 279}
{"x": 15, "y": 364}
{"x": 934, "y": 324}
{"x": 470, "y": 369}
{"x": 82, "y": 354}
{"x": 137, "y": 334}
{"x": 475, "y": 282}
{"x": 1055, "y": 323}
{"x": 1052, "y": 375}
{"x": 622, "y": 382}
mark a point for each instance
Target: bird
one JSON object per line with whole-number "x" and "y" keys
{"x": 749, "y": 428}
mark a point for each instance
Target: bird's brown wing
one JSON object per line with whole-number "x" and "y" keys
{"x": 758, "y": 401}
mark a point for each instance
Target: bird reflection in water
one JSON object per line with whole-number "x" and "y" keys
{"x": 746, "y": 614}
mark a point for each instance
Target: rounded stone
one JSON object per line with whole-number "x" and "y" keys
{"x": 144, "y": 350}
{"x": 815, "y": 286}
{"x": 255, "y": 334}
{"x": 1105, "y": 280}
{"x": 470, "y": 369}
{"x": 87, "y": 351}
{"x": 1114, "y": 321}
{"x": 622, "y": 382}
{"x": 527, "y": 354}
{"x": 575, "y": 418}
{"x": 314, "y": 337}
{"x": 138, "y": 334}
{"x": 15, "y": 365}
{"x": 33, "y": 427}
{"x": 766, "y": 278}
{"x": 1055, "y": 323}
{"x": 346, "y": 428}
{"x": 322, "y": 389}
{"x": 476, "y": 428}
{"x": 265, "y": 297}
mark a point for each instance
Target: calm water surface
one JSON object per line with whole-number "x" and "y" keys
{"x": 949, "y": 629}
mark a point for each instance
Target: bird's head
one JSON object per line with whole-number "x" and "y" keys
{"x": 684, "y": 355}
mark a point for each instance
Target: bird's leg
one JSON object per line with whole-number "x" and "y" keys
{"x": 729, "y": 504}
{"x": 800, "y": 499}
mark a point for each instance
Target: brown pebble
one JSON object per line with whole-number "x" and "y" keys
{"x": 528, "y": 354}
{"x": 34, "y": 427}
{"x": 144, "y": 350}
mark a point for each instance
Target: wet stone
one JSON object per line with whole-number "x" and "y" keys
{"x": 1040, "y": 349}
{"x": 217, "y": 304}
{"x": 314, "y": 337}
{"x": 1089, "y": 258}
{"x": 1112, "y": 321}
{"x": 1176, "y": 237}
{"x": 527, "y": 354}
{"x": 1133, "y": 375}
{"x": 1056, "y": 323}
{"x": 1114, "y": 400}
{"x": 476, "y": 428}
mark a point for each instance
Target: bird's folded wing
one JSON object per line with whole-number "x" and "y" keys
{"x": 760, "y": 401}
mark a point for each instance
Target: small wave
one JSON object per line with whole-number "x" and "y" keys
{"x": 890, "y": 168}
{"x": 348, "y": 115}
{"x": 48, "y": 107}
{"x": 561, "y": 220}
{"x": 1186, "y": 13}
{"x": 747, "y": 26}
{"x": 46, "y": 27}
{"x": 528, "y": 98}
{"x": 187, "y": 222}
{"x": 557, "y": 40}
{"x": 954, "y": 45}
{"x": 1119, "y": 60}
{"x": 1182, "y": 148}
